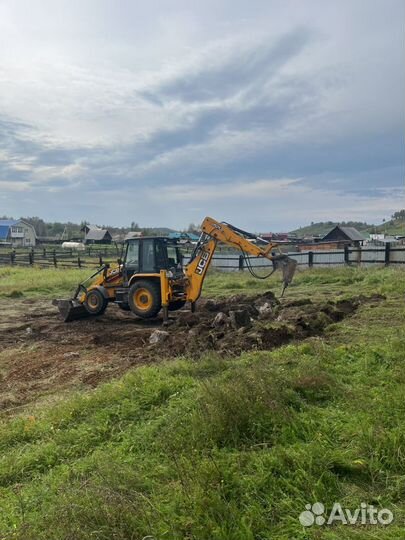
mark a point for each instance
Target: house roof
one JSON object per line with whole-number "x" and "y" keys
{"x": 5, "y": 225}
{"x": 97, "y": 234}
{"x": 351, "y": 232}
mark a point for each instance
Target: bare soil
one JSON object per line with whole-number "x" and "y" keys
{"x": 41, "y": 355}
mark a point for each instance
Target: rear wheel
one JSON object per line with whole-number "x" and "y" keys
{"x": 95, "y": 302}
{"x": 144, "y": 298}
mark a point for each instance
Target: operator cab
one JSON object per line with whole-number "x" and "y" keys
{"x": 149, "y": 255}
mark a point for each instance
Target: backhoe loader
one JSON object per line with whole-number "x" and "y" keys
{"x": 151, "y": 277}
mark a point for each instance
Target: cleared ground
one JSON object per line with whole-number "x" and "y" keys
{"x": 42, "y": 356}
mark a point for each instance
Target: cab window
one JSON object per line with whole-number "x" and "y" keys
{"x": 161, "y": 255}
{"x": 148, "y": 256}
{"x": 132, "y": 258}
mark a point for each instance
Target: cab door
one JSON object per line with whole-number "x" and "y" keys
{"x": 131, "y": 259}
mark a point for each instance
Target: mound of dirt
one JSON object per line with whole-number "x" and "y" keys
{"x": 41, "y": 354}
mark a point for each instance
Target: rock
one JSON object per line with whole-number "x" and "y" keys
{"x": 266, "y": 310}
{"x": 71, "y": 354}
{"x": 28, "y": 330}
{"x": 193, "y": 333}
{"x": 240, "y": 318}
{"x": 158, "y": 336}
{"x": 187, "y": 318}
{"x": 220, "y": 320}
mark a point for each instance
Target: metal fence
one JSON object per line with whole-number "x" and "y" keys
{"x": 361, "y": 256}
{"x": 227, "y": 261}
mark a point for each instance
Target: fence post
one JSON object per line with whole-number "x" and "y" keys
{"x": 55, "y": 262}
{"x": 100, "y": 260}
{"x": 310, "y": 259}
{"x": 79, "y": 262}
{"x": 12, "y": 257}
{"x": 31, "y": 257}
{"x": 387, "y": 254}
{"x": 346, "y": 254}
{"x": 241, "y": 262}
{"x": 44, "y": 252}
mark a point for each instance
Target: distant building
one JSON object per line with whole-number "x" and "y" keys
{"x": 88, "y": 227}
{"x": 17, "y": 233}
{"x": 133, "y": 234}
{"x": 377, "y": 236}
{"x": 184, "y": 236}
{"x": 347, "y": 235}
{"x": 98, "y": 236}
{"x": 321, "y": 246}
{"x": 275, "y": 237}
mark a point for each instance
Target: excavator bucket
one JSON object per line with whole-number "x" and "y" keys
{"x": 287, "y": 266}
{"x": 71, "y": 310}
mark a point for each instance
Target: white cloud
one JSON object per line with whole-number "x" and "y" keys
{"x": 257, "y": 189}
{"x": 166, "y": 99}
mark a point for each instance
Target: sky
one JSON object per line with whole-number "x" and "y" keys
{"x": 267, "y": 114}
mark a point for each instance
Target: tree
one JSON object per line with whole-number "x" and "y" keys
{"x": 399, "y": 215}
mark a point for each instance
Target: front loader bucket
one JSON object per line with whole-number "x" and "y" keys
{"x": 71, "y": 310}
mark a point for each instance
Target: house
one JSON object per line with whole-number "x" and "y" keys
{"x": 346, "y": 235}
{"x": 98, "y": 236}
{"x": 17, "y": 233}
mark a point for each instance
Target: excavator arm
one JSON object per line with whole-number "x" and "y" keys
{"x": 214, "y": 232}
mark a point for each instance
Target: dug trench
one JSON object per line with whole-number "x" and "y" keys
{"x": 41, "y": 356}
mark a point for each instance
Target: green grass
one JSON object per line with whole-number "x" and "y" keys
{"x": 39, "y": 282}
{"x": 225, "y": 449}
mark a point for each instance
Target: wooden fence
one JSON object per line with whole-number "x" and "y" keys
{"x": 45, "y": 257}
{"x": 227, "y": 261}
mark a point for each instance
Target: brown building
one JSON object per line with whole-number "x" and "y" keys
{"x": 349, "y": 235}
{"x": 337, "y": 238}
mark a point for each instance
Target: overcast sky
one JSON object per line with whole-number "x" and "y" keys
{"x": 267, "y": 114}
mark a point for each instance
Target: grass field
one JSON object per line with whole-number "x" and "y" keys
{"x": 220, "y": 448}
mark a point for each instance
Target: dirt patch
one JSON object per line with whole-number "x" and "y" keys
{"x": 40, "y": 354}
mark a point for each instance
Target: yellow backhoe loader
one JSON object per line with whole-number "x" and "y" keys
{"x": 151, "y": 277}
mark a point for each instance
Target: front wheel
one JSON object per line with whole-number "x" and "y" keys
{"x": 144, "y": 298}
{"x": 95, "y": 302}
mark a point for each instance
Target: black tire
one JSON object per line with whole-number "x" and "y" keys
{"x": 177, "y": 304}
{"x": 144, "y": 298}
{"x": 95, "y": 302}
